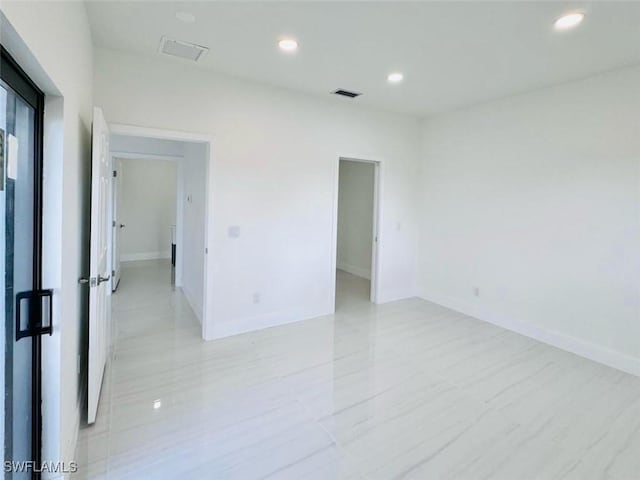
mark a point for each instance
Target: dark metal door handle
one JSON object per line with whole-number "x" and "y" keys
{"x": 103, "y": 279}
{"x": 35, "y": 324}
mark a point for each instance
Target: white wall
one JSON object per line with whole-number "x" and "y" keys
{"x": 147, "y": 208}
{"x": 38, "y": 33}
{"x": 355, "y": 217}
{"x": 535, "y": 200}
{"x": 194, "y": 201}
{"x": 274, "y": 178}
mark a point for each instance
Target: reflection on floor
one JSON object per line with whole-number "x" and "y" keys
{"x": 405, "y": 389}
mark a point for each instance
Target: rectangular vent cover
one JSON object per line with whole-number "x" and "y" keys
{"x": 180, "y": 49}
{"x": 347, "y": 93}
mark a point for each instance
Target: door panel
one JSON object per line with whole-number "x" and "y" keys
{"x": 99, "y": 308}
{"x": 21, "y": 107}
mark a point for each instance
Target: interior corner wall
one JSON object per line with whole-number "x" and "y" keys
{"x": 194, "y": 201}
{"x": 147, "y": 208}
{"x": 44, "y": 30}
{"x": 534, "y": 200}
{"x": 275, "y": 156}
{"x": 355, "y": 217}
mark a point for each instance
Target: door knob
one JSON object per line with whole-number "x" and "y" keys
{"x": 103, "y": 279}
{"x": 122, "y": 225}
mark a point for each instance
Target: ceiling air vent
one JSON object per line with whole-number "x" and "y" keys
{"x": 180, "y": 49}
{"x": 346, "y": 93}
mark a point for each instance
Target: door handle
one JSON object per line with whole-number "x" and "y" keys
{"x": 35, "y": 324}
{"x": 122, "y": 225}
{"x": 93, "y": 281}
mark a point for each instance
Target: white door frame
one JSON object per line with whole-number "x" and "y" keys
{"x": 377, "y": 221}
{"x": 180, "y": 136}
{"x": 114, "y": 216}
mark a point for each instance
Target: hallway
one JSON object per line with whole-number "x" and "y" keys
{"x": 404, "y": 389}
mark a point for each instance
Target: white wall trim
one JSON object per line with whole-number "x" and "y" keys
{"x": 149, "y": 132}
{"x": 582, "y": 348}
{"x": 133, "y": 257}
{"x": 354, "y": 270}
{"x": 145, "y": 156}
{"x": 179, "y": 225}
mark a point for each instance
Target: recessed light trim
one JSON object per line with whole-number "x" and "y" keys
{"x": 395, "y": 77}
{"x": 186, "y": 17}
{"x": 569, "y": 21}
{"x": 288, "y": 45}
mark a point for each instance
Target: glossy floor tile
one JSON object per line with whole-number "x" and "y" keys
{"x": 406, "y": 389}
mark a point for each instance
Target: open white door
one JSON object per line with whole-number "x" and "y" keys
{"x": 115, "y": 224}
{"x": 99, "y": 266}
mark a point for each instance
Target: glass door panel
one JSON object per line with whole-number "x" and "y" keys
{"x": 20, "y": 233}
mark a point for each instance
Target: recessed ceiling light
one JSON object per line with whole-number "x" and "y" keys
{"x": 186, "y": 17}
{"x": 569, "y": 21}
{"x": 395, "y": 77}
{"x": 288, "y": 45}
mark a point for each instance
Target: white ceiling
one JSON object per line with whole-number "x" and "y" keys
{"x": 451, "y": 53}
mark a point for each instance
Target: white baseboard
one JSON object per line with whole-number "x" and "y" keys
{"x": 197, "y": 310}
{"x": 355, "y": 270}
{"x": 582, "y": 348}
{"x": 269, "y": 320}
{"x": 133, "y": 257}
{"x": 393, "y": 296}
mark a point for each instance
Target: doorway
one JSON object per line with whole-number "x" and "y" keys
{"x": 356, "y": 231}
{"x": 160, "y": 199}
{"x": 192, "y": 196}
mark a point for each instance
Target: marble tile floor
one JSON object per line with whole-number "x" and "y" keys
{"x": 407, "y": 389}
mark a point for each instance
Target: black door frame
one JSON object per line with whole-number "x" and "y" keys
{"x": 14, "y": 76}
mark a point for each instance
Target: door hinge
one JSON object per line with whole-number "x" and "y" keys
{"x": 115, "y": 173}
{"x": 113, "y": 223}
